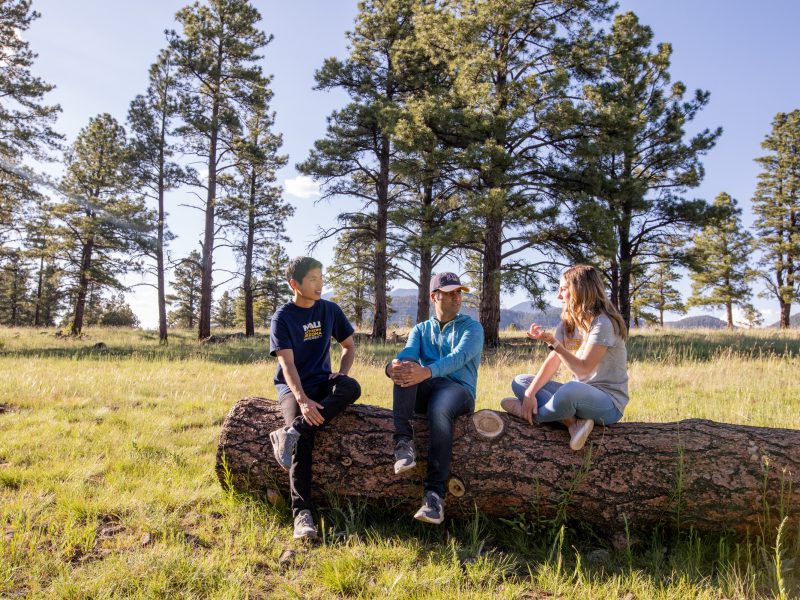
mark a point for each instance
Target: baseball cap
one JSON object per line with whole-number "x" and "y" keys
{"x": 447, "y": 282}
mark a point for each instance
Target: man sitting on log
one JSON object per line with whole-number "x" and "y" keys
{"x": 436, "y": 373}
{"x": 309, "y": 394}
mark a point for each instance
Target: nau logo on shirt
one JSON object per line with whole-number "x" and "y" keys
{"x": 313, "y": 331}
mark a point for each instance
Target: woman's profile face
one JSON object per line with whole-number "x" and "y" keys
{"x": 563, "y": 291}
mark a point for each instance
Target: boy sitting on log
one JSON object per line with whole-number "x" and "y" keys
{"x": 436, "y": 373}
{"x": 310, "y": 395}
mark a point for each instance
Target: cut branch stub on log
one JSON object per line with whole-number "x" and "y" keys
{"x": 710, "y": 476}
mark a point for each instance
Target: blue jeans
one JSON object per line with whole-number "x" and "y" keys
{"x": 443, "y": 400}
{"x": 559, "y": 401}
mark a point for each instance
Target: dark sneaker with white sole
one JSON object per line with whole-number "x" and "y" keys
{"x": 404, "y": 456}
{"x": 304, "y": 528}
{"x": 431, "y": 510}
{"x": 284, "y": 441}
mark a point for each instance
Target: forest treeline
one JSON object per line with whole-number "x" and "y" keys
{"x": 509, "y": 137}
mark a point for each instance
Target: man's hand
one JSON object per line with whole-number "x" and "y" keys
{"x": 529, "y": 406}
{"x": 334, "y": 375}
{"x": 408, "y": 373}
{"x": 310, "y": 411}
{"x": 393, "y": 370}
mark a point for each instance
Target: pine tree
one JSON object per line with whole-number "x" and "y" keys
{"x": 751, "y": 317}
{"x": 40, "y": 243}
{"x": 427, "y": 215}
{"x": 776, "y": 205}
{"x": 271, "y": 290}
{"x": 116, "y": 312}
{"x": 216, "y": 55}
{"x": 350, "y": 275}
{"x": 224, "y": 313}
{"x": 25, "y": 120}
{"x": 15, "y": 295}
{"x": 503, "y": 113}
{"x": 355, "y": 158}
{"x": 103, "y": 231}
{"x": 654, "y": 288}
{"x": 186, "y": 296}
{"x": 721, "y": 274}
{"x": 631, "y": 162}
{"x": 255, "y": 211}
{"x": 150, "y": 118}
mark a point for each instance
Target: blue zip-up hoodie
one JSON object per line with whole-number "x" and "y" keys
{"x": 452, "y": 351}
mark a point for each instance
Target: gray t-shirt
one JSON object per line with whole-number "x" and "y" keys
{"x": 611, "y": 374}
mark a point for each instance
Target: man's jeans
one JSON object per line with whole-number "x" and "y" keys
{"x": 443, "y": 400}
{"x": 335, "y": 395}
{"x": 557, "y": 401}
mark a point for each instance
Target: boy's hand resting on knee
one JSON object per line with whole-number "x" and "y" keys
{"x": 310, "y": 411}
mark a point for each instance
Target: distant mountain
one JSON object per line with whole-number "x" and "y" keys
{"x": 403, "y": 292}
{"x": 403, "y": 313}
{"x": 794, "y": 322}
{"x": 701, "y": 321}
{"x": 403, "y": 309}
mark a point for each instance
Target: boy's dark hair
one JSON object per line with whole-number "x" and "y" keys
{"x": 299, "y": 266}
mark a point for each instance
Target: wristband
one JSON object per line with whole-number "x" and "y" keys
{"x": 551, "y": 346}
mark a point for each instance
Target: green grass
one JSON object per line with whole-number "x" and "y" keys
{"x": 107, "y": 487}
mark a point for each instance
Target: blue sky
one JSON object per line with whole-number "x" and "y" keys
{"x": 97, "y": 53}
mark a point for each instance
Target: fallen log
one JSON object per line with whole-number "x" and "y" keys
{"x": 693, "y": 473}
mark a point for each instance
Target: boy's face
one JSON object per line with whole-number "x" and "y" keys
{"x": 311, "y": 286}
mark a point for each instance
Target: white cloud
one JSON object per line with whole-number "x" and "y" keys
{"x": 302, "y": 187}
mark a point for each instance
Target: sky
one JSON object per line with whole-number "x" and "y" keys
{"x": 97, "y": 53}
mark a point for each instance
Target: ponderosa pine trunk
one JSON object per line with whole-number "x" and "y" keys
{"x": 489, "y": 310}
{"x": 380, "y": 309}
{"x": 247, "y": 285}
{"x": 695, "y": 473}
{"x": 83, "y": 286}
{"x": 162, "y": 286}
{"x": 425, "y": 258}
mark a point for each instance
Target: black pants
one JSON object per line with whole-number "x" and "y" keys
{"x": 335, "y": 395}
{"x": 442, "y": 400}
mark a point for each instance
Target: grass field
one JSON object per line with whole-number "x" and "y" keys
{"x": 107, "y": 487}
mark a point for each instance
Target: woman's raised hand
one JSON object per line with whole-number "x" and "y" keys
{"x": 535, "y": 332}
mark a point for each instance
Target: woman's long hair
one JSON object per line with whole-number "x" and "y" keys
{"x": 588, "y": 300}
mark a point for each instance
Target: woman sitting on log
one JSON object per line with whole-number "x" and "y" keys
{"x": 590, "y": 341}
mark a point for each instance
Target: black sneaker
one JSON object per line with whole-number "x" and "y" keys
{"x": 404, "y": 456}
{"x": 432, "y": 510}
{"x": 304, "y": 528}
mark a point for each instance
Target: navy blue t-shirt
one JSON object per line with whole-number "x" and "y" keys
{"x": 307, "y": 332}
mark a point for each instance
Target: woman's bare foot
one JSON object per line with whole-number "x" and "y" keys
{"x": 578, "y": 432}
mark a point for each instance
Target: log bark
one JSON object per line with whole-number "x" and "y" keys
{"x": 693, "y": 473}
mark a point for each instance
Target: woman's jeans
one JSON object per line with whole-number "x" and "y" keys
{"x": 559, "y": 401}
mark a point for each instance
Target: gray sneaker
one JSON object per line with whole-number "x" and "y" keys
{"x": 284, "y": 442}
{"x": 432, "y": 510}
{"x": 304, "y": 528}
{"x": 404, "y": 456}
